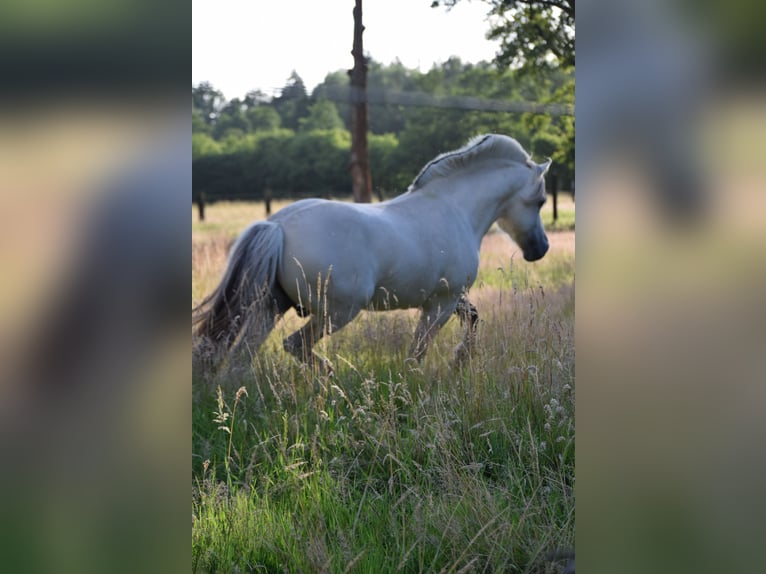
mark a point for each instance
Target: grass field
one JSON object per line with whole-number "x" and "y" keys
{"x": 388, "y": 466}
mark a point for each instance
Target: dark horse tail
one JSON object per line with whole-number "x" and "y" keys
{"x": 248, "y": 291}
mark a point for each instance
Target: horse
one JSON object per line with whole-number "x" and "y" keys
{"x": 329, "y": 259}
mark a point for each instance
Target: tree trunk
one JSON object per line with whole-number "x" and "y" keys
{"x": 361, "y": 179}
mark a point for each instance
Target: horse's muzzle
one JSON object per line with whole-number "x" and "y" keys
{"x": 536, "y": 249}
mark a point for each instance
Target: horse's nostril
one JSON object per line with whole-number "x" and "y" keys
{"x": 537, "y": 251}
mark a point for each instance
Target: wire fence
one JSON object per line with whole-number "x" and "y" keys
{"x": 379, "y": 96}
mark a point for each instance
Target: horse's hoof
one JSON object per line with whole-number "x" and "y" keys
{"x": 461, "y": 355}
{"x": 326, "y": 366}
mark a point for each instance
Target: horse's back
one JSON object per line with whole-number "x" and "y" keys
{"x": 327, "y": 226}
{"x": 296, "y": 207}
{"x": 334, "y": 238}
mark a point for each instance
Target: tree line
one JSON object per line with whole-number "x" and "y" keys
{"x": 297, "y": 144}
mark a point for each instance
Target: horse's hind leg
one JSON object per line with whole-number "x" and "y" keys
{"x": 301, "y": 343}
{"x": 469, "y": 318}
{"x": 260, "y": 322}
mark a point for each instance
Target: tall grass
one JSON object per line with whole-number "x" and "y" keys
{"x": 390, "y": 466}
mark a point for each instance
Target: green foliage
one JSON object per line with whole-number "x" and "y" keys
{"x": 264, "y": 118}
{"x": 319, "y": 162}
{"x": 203, "y": 144}
{"x": 322, "y": 115}
{"x": 289, "y": 164}
{"x": 206, "y": 102}
{"x": 199, "y": 125}
{"x": 382, "y": 149}
{"x": 534, "y": 34}
{"x": 565, "y": 154}
{"x": 292, "y": 103}
{"x": 554, "y": 137}
{"x": 253, "y": 132}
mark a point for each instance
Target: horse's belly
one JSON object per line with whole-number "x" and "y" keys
{"x": 401, "y": 293}
{"x": 311, "y": 276}
{"x": 392, "y": 298}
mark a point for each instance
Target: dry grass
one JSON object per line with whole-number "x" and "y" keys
{"x": 389, "y": 466}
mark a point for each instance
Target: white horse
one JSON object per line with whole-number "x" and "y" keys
{"x": 329, "y": 260}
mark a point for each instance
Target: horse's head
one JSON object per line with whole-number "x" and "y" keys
{"x": 520, "y": 216}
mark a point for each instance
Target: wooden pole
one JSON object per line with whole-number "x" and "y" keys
{"x": 201, "y": 205}
{"x": 361, "y": 180}
{"x": 267, "y": 200}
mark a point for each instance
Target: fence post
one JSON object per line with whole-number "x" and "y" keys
{"x": 267, "y": 200}
{"x": 554, "y": 185}
{"x": 201, "y": 205}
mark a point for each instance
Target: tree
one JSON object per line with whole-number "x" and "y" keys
{"x": 199, "y": 125}
{"x": 537, "y": 36}
{"x": 264, "y": 118}
{"x": 207, "y": 101}
{"x": 395, "y": 77}
{"x": 295, "y": 89}
{"x": 322, "y": 115}
{"x": 231, "y": 120}
{"x": 383, "y": 163}
{"x": 334, "y": 84}
{"x": 292, "y": 103}
{"x": 255, "y": 98}
{"x": 242, "y": 163}
{"x": 203, "y": 144}
{"x": 533, "y": 33}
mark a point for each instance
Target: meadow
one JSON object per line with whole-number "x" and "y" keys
{"x": 388, "y": 465}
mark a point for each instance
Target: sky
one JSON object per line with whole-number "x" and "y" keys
{"x": 242, "y": 45}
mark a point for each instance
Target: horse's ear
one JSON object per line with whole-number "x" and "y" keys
{"x": 542, "y": 168}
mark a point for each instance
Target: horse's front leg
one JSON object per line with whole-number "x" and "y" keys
{"x": 431, "y": 320}
{"x": 469, "y": 318}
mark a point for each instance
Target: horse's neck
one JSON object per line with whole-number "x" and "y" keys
{"x": 482, "y": 198}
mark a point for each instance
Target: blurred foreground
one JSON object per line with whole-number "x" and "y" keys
{"x": 95, "y": 353}
{"x": 94, "y": 165}
{"x": 671, "y": 276}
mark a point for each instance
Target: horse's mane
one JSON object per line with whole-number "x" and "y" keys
{"x": 483, "y": 146}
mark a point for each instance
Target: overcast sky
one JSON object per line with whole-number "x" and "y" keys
{"x": 241, "y": 45}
